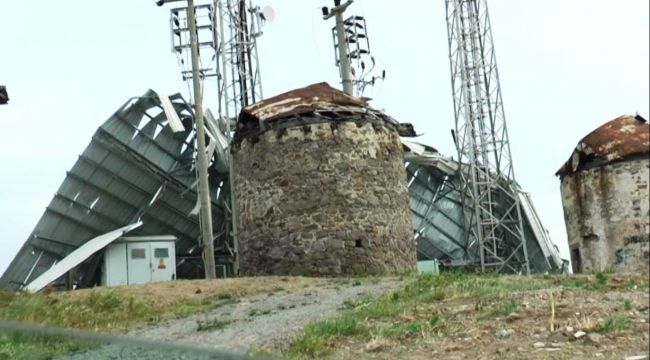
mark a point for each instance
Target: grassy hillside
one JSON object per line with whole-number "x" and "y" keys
{"x": 458, "y": 315}
{"x": 453, "y": 315}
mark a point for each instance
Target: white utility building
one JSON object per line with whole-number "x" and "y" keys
{"x": 139, "y": 259}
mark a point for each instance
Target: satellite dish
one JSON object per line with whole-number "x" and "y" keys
{"x": 268, "y": 14}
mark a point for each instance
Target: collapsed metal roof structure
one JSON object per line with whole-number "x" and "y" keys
{"x": 435, "y": 190}
{"x": 135, "y": 168}
{"x": 140, "y": 167}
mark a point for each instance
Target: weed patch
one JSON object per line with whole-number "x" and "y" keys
{"x": 627, "y": 305}
{"x": 316, "y": 339}
{"x": 30, "y": 346}
{"x": 212, "y": 325}
{"x": 506, "y": 309}
{"x": 614, "y": 324}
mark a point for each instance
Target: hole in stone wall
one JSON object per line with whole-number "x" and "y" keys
{"x": 358, "y": 243}
{"x": 333, "y": 126}
{"x": 576, "y": 260}
{"x": 280, "y": 133}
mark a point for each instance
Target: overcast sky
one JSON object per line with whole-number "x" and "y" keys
{"x": 566, "y": 67}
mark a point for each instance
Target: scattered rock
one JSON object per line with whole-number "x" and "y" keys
{"x": 578, "y": 334}
{"x": 541, "y": 330}
{"x": 557, "y": 345}
{"x": 611, "y": 297}
{"x": 512, "y": 317}
{"x": 504, "y": 333}
{"x": 198, "y": 291}
{"x": 594, "y": 338}
{"x": 538, "y": 345}
{"x": 557, "y": 336}
{"x": 636, "y": 357}
{"x": 569, "y": 329}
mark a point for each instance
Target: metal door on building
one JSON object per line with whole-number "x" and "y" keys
{"x": 139, "y": 263}
{"x": 162, "y": 266}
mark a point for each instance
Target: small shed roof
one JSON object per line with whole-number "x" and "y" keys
{"x": 615, "y": 140}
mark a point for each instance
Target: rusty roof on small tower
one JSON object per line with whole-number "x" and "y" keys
{"x": 617, "y": 139}
{"x": 303, "y": 100}
{"x": 314, "y": 103}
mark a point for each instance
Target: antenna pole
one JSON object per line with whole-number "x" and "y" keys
{"x": 202, "y": 158}
{"x": 344, "y": 59}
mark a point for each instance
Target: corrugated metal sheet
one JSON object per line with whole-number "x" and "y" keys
{"x": 77, "y": 256}
{"x": 135, "y": 168}
{"x": 615, "y": 140}
{"x": 435, "y": 191}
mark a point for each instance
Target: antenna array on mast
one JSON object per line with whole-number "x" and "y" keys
{"x": 237, "y": 27}
{"x": 352, "y": 50}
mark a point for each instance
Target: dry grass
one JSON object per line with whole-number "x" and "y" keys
{"x": 165, "y": 294}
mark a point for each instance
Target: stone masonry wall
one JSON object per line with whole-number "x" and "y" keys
{"x": 607, "y": 216}
{"x": 324, "y": 199}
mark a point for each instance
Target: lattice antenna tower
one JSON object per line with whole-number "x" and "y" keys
{"x": 360, "y": 68}
{"x": 237, "y": 27}
{"x": 493, "y": 220}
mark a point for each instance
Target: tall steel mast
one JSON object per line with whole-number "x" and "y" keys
{"x": 491, "y": 201}
{"x": 236, "y": 29}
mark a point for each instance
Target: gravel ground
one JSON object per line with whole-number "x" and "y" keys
{"x": 262, "y": 322}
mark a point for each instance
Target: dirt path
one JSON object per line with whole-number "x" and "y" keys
{"x": 263, "y": 322}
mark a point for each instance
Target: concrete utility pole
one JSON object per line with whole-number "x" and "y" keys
{"x": 202, "y": 157}
{"x": 344, "y": 61}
